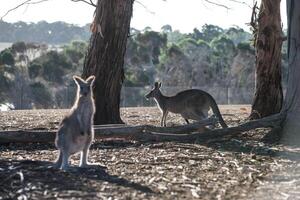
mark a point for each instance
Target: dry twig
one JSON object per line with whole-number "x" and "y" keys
{"x": 31, "y": 2}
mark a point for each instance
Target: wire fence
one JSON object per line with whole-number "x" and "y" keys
{"x": 63, "y": 97}
{"x": 134, "y": 96}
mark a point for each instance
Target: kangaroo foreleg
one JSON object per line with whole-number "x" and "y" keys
{"x": 162, "y": 120}
{"x": 81, "y": 125}
{"x": 165, "y": 118}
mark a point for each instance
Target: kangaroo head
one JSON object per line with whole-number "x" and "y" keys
{"x": 84, "y": 87}
{"x": 155, "y": 91}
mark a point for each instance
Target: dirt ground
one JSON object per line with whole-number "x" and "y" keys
{"x": 240, "y": 167}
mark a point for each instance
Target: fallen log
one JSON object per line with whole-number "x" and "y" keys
{"x": 125, "y": 131}
{"x": 273, "y": 121}
{"x": 27, "y": 136}
{"x": 148, "y": 132}
{"x": 101, "y": 131}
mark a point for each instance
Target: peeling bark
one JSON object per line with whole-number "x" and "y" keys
{"x": 105, "y": 57}
{"x": 268, "y": 91}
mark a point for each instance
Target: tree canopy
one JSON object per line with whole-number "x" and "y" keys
{"x": 208, "y": 57}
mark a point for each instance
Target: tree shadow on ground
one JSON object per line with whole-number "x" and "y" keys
{"x": 255, "y": 148}
{"x": 241, "y": 143}
{"x": 27, "y": 177}
{"x": 107, "y": 144}
{"x": 234, "y": 143}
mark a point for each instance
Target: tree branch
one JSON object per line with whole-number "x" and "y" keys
{"x": 224, "y": 6}
{"x": 28, "y": 2}
{"x": 254, "y": 23}
{"x": 145, "y": 7}
{"x": 240, "y": 2}
{"x": 31, "y": 2}
{"x": 90, "y": 2}
{"x": 217, "y": 4}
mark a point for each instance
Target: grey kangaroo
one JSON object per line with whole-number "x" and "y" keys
{"x": 190, "y": 104}
{"x": 75, "y": 133}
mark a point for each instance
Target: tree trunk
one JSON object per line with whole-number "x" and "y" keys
{"x": 105, "y": 57}
{"x": 292, "y": 101}
{"x": 268, "y": 95}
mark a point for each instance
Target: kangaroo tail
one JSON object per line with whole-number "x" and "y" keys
{"x": 217, "y": 112}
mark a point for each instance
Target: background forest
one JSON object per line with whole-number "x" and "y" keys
{"x": 37, "y": 62}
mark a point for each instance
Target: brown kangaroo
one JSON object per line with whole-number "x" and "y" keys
{"x": 75, "y": 133}
{"x": 190, "y": 104}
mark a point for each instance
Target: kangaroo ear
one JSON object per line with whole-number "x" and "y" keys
{"x": 159, "y": 84}
{"x": 77, "y": 79}
{"x": 90, "y": 80}
{"x": 156, "y": 85}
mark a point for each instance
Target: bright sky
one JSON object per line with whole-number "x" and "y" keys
{"x": 181, "y": 15}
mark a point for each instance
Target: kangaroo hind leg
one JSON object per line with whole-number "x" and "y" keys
{"x": 58, "y": 162}
{"x": 200, "y": 115}
{"x": 204, "y": 115}
{"x": 84, "y": 158}
{"x": 65, "y": 159}
{"x": 164, "y": 118}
